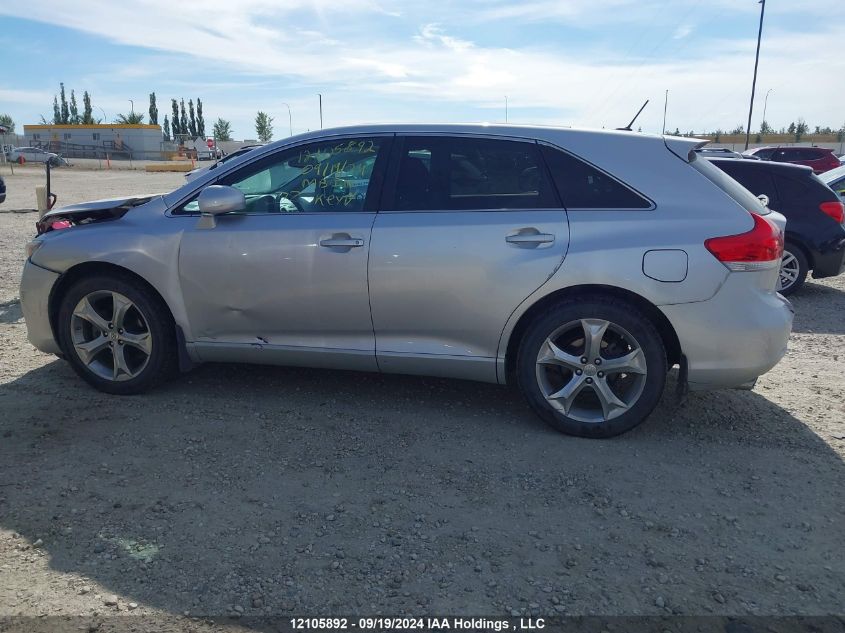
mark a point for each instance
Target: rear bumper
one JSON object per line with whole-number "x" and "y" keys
{"x": 829, "y": 263}
{"x": 36, "y": 285}
{"x": 734, "y": 337}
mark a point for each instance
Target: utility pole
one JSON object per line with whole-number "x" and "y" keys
{"x": 506, "y": 108}
{"x": 290, "y": 120}
{"x": 754, "y": 81}
{"x": 665, "y": 105}
{"x": 321, "y": 109}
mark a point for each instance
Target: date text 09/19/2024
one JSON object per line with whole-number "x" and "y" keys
{"x": 418, "y": 624}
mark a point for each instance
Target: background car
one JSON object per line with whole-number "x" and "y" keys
{"x": 820, "y": 159}
{"x": 721, "y": 152}
{"x": 238, "y": 152}
{"x": 37, "y": 155}
{"x": 835, "y": 179}
{"x": 579, "y": 265}
{"x": 815, "y": 234}
{"x": 2, "y": 190}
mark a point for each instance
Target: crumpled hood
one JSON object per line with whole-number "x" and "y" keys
{"x": 89, "y": 212}
{"x": 102, "y": 205}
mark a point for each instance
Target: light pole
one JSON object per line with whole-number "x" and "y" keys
{"x": 766, "y": 103}
{"x": 665, "y": 105}
{"x": 321, "y": 109}
{"x": 754, "y": 81}
{"x": 104, "y": 113}
{"x": 132, "y": 105}
{"x": 290, "y": 120}
{"x": 506, "y": 108}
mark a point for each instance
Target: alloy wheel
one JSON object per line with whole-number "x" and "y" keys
{"x": 111, "y": 335}
{"x": 591, "y": 370}
{"x": 789, "y": 271}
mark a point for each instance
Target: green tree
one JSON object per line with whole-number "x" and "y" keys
{"x": 74, "y": 109}
{"x": 200, "y": 120}
{"x": 739, "y": 129}
{"x": 87, "y": 116}
{"x": 175, "y": 119}
{"x": 264, "y": 127}
{"x": 677, "y": 132}
{"x": 166, "y": 129}
{"x": 57, "y": 113}
{"x": 765, "y": 128}
{"x": 183, "y": 118}
{"x": 153, "y": 109}
{"x": 7, "y": 122}
{"x": 192, "y": 119}
{"x": 65, "y": 118}
{"x": 801, "y": 129}
{"x": 791, "y": 128}
{"x": 840, "y": 134}
{"x": 222, "y": 130}
{"x": 133, "y": 118}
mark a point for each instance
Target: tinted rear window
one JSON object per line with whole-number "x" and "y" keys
{"x": 740, "y": 194}
{"x": 765, "y": 154}
{"x": 752, "y": 175}
{"x": 582, "y": 186}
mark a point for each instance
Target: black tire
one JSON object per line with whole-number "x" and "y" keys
{"x": 620, "y": 314}
{"x": 162, "y": 360}
{"x": 803, "y": 268}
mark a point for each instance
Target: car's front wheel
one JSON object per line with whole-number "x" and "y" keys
{"x": 592, "y": 367}
{"x": 116, "y": 333}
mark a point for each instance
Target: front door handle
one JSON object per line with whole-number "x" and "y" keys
{"x": 530, "y": 238}
{"x": 342, "y": 242}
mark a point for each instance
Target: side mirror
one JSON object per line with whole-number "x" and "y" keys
{"x": 764, "y": 199}
{"x": 215, "y": 200}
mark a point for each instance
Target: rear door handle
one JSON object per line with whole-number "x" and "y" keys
{"x": 530, "y": 238}
{"x": 343, "y": 242}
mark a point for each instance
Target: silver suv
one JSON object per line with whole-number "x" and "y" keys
{"x": 579, "y": 265}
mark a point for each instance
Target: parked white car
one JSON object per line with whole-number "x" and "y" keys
{"x": 36, "y": 155}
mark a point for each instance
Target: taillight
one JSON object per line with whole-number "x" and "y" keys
{"x": 835, "y": 209}
{"x": 758, "y": 249}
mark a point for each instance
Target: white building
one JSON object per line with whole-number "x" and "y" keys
{"x": 117, "y": 141}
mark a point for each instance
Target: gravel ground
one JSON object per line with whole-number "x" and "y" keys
{"x": 259, "y": 490}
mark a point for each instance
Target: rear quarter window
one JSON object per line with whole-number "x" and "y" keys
{"x": 582, "y": 186}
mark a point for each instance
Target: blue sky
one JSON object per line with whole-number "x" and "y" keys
{"x": 566, "y": 62}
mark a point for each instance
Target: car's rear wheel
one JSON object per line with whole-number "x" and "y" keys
{"x": 117, "y": 334}
{"x": 793, "y": 269}
{"x": 592, "y": 367}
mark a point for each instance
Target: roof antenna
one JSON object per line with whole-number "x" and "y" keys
{"x": 627, "y": 128}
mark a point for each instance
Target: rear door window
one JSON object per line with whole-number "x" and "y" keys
{"x": 470, "y": 174}
{"x": 582, "y": 186}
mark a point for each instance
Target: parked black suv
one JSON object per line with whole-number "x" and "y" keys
{"x": 815, "y": 217}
